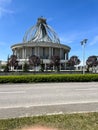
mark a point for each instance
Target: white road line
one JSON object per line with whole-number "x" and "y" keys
{"x": 86, "y": 89}
{"x": 12, "y": 92}
{"x": 51, "y": 104}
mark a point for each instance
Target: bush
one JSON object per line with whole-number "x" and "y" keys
{"x": 49, "y": 78}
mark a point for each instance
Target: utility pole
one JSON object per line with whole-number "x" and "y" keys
{"x": 83, "y": 43}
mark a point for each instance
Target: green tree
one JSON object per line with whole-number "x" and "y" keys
{"x": 91, "y": 62}
{"x": 73, "y": 61}
{"x": 25, "y": 67}
{"x": 12, "y": 61}
{"x": 55, "y": 61}
{"x": 42, "y": 66}
{"x": 6, "y": 68}
{"x": 34, "y": 61}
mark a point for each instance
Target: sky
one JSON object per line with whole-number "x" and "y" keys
{"x": 72, "y": 20}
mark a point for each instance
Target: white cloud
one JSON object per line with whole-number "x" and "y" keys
{"x": 66, "y": 40}
{"x": 3, "y": 7}
{"x": 69, "y": 38}
{"x": 94, "y": 41}
{"x": 5, "y": 11}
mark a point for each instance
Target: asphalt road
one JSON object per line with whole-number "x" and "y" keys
{"x": 18, "y": 100}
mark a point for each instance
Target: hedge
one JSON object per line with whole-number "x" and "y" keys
{"x": 49, "y": 78}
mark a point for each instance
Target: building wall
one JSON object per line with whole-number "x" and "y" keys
{"x": 42, "y": 52}
{"x": 24, "y": 52}
{"x": 29, "y": 52}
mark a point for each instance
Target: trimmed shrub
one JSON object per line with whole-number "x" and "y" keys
{"x": 49, "y": 78}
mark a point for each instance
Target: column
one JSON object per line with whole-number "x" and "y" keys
{"x": 15, "y": 52}
{"x": 38, "y": 52}
{"x": 60, "y": 54}
{"x": 45, "y": 66}
{"x": 65, "y": 56}
{"x": 23, "y": 53}
{"x": 52, "y": 51}
{"x": 65, "y": 66}
{"x": 49, "y": 52}
{"x": 18, "y": 53}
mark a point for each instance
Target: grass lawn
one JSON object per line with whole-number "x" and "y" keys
{"x": 82, "y": 121}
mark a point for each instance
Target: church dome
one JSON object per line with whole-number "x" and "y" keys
{"x": 41, "y": 32}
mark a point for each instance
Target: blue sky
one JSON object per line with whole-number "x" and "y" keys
{"x": 72, "y": 20}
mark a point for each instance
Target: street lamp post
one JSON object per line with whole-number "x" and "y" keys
{"x": 83, "y": 44}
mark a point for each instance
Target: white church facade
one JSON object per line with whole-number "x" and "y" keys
{"x": 42, "y": 41}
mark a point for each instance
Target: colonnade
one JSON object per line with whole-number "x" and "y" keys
{"x": 46, "y": 53}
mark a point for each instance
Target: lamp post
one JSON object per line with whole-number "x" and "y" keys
{"x": 83, "y": 44}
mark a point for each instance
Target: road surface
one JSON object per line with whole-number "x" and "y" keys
{"x": 18, "y": 100}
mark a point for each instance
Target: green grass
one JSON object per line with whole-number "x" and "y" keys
{"x": 83, "y": 121}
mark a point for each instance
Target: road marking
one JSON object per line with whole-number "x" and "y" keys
{"x": 87, "y": 89}
{"x": 51, "y": 104}
{"x": 11, "y": 92}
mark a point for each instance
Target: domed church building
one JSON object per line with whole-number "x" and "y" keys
{"x": 42, "y": 41}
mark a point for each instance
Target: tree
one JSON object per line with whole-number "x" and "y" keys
{"x": 55, "y": 61}
{"x": 42, "y": 66}
{"x": 25, "y": 67}
{"x": 91, "y": 62}
{"x": 73, "y": 61}
{"x": 34, "y": 60}
{"x": 12, "y": 61}
{"x": 6, "y": 67}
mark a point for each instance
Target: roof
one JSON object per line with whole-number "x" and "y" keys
{"x": 41, "y": 32}
{"x": 41, "y": 44}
